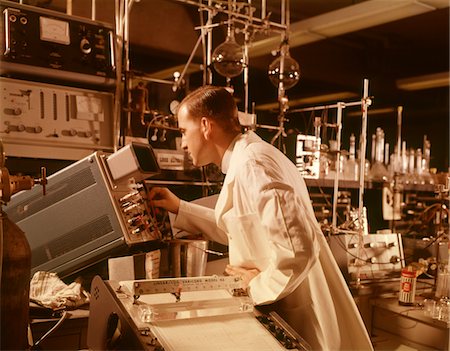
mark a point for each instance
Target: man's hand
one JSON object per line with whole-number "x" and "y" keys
{"x": 245, "y": 274}
{"x": 163, "y": 197}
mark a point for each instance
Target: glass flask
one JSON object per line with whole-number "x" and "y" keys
{"x": 228, "y": 58}
{"x": 284, "y": 68}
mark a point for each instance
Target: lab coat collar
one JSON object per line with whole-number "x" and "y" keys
{"x": 238, "y": 143}
{"x": 227, "y": 155}
{"x": 231, "y": 160}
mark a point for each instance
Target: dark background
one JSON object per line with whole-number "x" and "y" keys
{"x": 163, "y": 34}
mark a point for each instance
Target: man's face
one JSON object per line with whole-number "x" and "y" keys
{"x": 192, "y": 137}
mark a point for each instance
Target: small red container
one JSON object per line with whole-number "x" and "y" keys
{"x": 407, "y": 292}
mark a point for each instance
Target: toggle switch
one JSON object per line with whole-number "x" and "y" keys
{"x": 371, "y": 245}
{"x": 12, "y": 111}
{"x": 35, "y": 130}
{"x": 69, "y": 132}
{"x": 128, "y": 196}
{"x": 395, "y": 259}
{"x": 134, "y": 221}
{"x": 14, "y": 128}
{"x": 372, "y": 260}
{"x": 85, "y": 134}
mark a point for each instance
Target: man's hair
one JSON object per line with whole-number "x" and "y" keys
{"x": 215, "y": 103}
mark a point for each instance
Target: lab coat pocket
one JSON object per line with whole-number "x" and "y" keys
{"x": 247, "y": 241}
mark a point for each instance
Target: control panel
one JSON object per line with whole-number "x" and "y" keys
{"x": 50, "y": 44}
{"x": 37, "y": 114}
{"x": 283, "y": 332}
{"x": 367, "y": 257}
{"x": 137, "y": 217}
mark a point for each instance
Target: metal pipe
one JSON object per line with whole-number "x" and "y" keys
{"x": 126, "y": 49}
{"x": 266, "y": 126}
{"x": 341, "y": 106}
{"x": 362, "y": 153}
{"x": 191, "y": 57}
{"x": 209, "y": 45}
{"x": 246, "y": 63}
{"x": 154, "y": 80}
{"x": 68, "y": 7}
{"x": 211, "y": 8}
{"x": 283, "y": 12}
{"x": 325, "y": 107}
{"x": 93, "y": 10}
{"x": 246, "y": 69}
{"x": 179, "y": 182}
{"x": 118, "y": 57}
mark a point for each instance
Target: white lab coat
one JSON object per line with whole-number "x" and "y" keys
{"x": 265, "y": 215}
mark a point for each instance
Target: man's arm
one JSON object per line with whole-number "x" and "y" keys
{"x": 196, "y": 218}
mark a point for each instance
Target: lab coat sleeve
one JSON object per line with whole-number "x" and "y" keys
{"x": 196, "y": 218}
{"x": 287, "y": 227}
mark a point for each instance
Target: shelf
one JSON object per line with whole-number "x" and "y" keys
{"x": 182, "y": 177}
{"x": 352, "y": 184}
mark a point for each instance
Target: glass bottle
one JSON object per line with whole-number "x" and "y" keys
{"x": 378, "y": 171}
{"x": 411, "y": 178}
{"x": 351, "y": 171}
{"x": 419, "y": 170}
{"x": 444, "y": 309}
{"x": 427, "y": 179}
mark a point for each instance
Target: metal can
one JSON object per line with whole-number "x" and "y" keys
{"x": 407, "y": 292}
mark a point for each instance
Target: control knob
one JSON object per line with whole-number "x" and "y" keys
{"x": 69, "y": 132}
{"x": 395, "y": 259}
{"x": 35, "y": 130}
{"x": 85, "y": 46}
{"x": 12, "y": 111}
{"x": 13, "y": 128}
{"x": 86, "y": 134}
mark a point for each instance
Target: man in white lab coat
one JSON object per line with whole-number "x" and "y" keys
{"x": 264, "y": 215}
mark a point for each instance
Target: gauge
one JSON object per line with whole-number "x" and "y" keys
{"x": 54, "y": 30}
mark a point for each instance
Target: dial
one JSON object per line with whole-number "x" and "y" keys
{"x": 85, "y": 46}
{"x": 54, "y": 30}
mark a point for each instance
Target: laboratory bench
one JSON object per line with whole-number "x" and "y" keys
{"x": 391, "y": 327}
{"x": 396, "y": 326}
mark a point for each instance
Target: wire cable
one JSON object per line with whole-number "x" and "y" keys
{"x": 64, "y": 316}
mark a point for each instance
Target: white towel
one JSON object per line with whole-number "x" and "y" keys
{"x": 49, "y": 291}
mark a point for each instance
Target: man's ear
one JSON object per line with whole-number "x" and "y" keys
{"x": 206, "y": 127}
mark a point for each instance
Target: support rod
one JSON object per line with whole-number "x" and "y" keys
{"x": 341, "y": 106}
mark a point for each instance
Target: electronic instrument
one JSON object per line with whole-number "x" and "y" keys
{"x": 368, "y": 257}
{"x": 194, "y": 313}
{"x": 49, "y": 44}
{"x": 92, "y": 208}
{"x": 52, "y": 121}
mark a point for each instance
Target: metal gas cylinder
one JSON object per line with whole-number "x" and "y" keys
{"x": 15, "y": 264}
{"x": 15, "y": 285}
